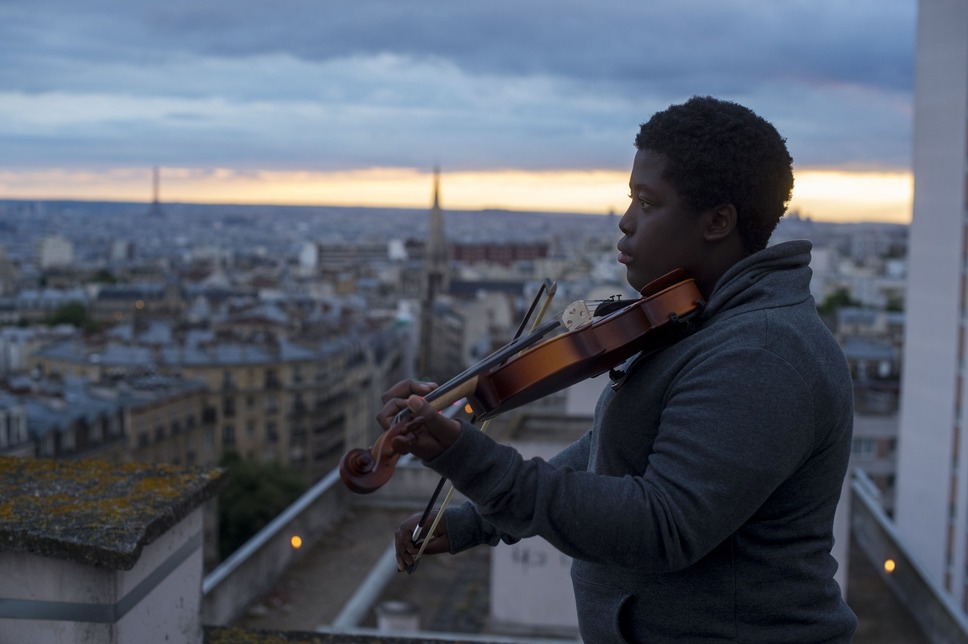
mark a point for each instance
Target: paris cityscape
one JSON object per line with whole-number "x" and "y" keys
{"x": 267, "y": 334}
{"x": 227, "y": 228}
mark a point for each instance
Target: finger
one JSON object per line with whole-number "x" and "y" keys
{"x": 404, "y": 557}
{"x": 403, "y": 444}
{"x": 440, "y": 545}
{"x": 392, "y": 406}
{"x": 406, "y": 528}
{"x": 444, "y": 429}
{"x": 406, "y": 387}
{"x": 389, "y": 411}
{"x": 398, "y": 390}
{"x": 418, "y": 406}
{"x": 417, "y": 437}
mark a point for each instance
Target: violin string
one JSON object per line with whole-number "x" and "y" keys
{"x": 549, "y": 288}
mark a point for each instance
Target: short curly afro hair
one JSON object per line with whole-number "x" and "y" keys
{"x": 719, "y": 152}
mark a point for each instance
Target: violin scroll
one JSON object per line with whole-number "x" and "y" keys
{"x": 366, "y": 470}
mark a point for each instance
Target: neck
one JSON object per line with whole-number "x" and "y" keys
{"x": 721, "y": 256}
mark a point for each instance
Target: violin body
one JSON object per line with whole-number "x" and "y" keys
{"x": 543, "y": 369}
{"x": 583, "y": 353}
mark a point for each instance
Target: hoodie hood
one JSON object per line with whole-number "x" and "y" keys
{"x": 775, "y": 276}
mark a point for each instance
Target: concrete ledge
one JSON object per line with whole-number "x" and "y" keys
{"x": 223, "y": 635}
{"x": 95, "y": 512}
{"x": 929, "y": 604}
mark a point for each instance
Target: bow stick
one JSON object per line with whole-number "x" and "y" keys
{"x": 548, "y": 289}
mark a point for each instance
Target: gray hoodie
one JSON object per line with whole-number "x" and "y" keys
{"x": 700, "y": 505}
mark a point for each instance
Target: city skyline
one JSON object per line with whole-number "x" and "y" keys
{"x": 346, "y": 104}
{"x": 823, "y": 195}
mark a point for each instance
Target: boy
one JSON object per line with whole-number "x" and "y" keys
{"x": 699, "y": 507}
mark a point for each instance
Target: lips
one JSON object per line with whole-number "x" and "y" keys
{"x": 623, "y": 258}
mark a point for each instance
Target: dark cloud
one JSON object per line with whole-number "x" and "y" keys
{"x": 536, "y": 84}
{"x": 868, "y": 42}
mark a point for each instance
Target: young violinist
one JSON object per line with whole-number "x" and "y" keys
{"x": 699, "y": 506}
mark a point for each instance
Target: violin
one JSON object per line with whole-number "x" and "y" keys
{"x": 528, "y": 369}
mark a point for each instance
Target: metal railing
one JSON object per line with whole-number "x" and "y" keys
{"x": 937, "y": 615}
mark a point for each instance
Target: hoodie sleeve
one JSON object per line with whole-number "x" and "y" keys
{"x": 734, "y": 427}
{"x": 465, "y": 526}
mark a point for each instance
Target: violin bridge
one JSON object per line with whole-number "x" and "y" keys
{"x": 579, "y": 313}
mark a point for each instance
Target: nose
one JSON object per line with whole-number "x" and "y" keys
{"x": 625, "y": 221}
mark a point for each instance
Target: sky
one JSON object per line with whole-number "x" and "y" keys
{"x": 523, "y": 104}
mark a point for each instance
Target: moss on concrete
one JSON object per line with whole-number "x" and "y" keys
{"x": 95, "y": 512}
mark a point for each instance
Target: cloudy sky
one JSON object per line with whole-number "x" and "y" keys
{"x": 523, "y": 103}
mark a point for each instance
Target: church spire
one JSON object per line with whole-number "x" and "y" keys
{"x": 436, "y": 241}
{"x": 435, "y": 278}
{"x": 436, "y": 205}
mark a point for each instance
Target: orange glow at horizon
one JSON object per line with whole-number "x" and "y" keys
{"x": 854, "y": 196}
{"x": 823, "y": 195}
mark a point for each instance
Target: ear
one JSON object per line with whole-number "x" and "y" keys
{"x": 720, "y": 222}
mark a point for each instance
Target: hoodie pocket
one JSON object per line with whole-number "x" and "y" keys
{"x": 600, "y": 612}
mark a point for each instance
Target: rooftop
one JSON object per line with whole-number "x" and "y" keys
{"x": 95, "y": 512}
{"x": 103, "y": 514}
{"x": 451, "y": 593}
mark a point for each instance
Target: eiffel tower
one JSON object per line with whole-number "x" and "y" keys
{"x": 155, "y": 209}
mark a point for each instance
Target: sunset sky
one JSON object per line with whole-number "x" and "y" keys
{"x": 525, "y": 105}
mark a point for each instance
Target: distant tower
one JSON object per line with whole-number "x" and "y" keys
{"x": 435, "y": 280}
{"x": 155, "y": 209}
{"x": 932, "y": 478}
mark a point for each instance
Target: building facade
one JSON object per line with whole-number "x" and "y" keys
{"x": 932, "y": 493}
{"x": 269, "y": 401}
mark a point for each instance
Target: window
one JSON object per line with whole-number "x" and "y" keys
{"x": 228, "y": 436}
{"x": 228, "y": 406}
{"x": 272, "y": 379}
{"x": 95, "y": 433}
{"x": 19, "y": 428}
{"x": 68, "y": 440}
{"x": 864, "y": 447}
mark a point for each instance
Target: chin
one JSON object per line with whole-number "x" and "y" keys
{"x": 635, "y": 282}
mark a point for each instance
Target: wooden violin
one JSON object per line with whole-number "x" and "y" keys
{"x": 528, "y": 369}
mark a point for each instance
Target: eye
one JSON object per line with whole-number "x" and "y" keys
{"x": 643, "y": 202}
